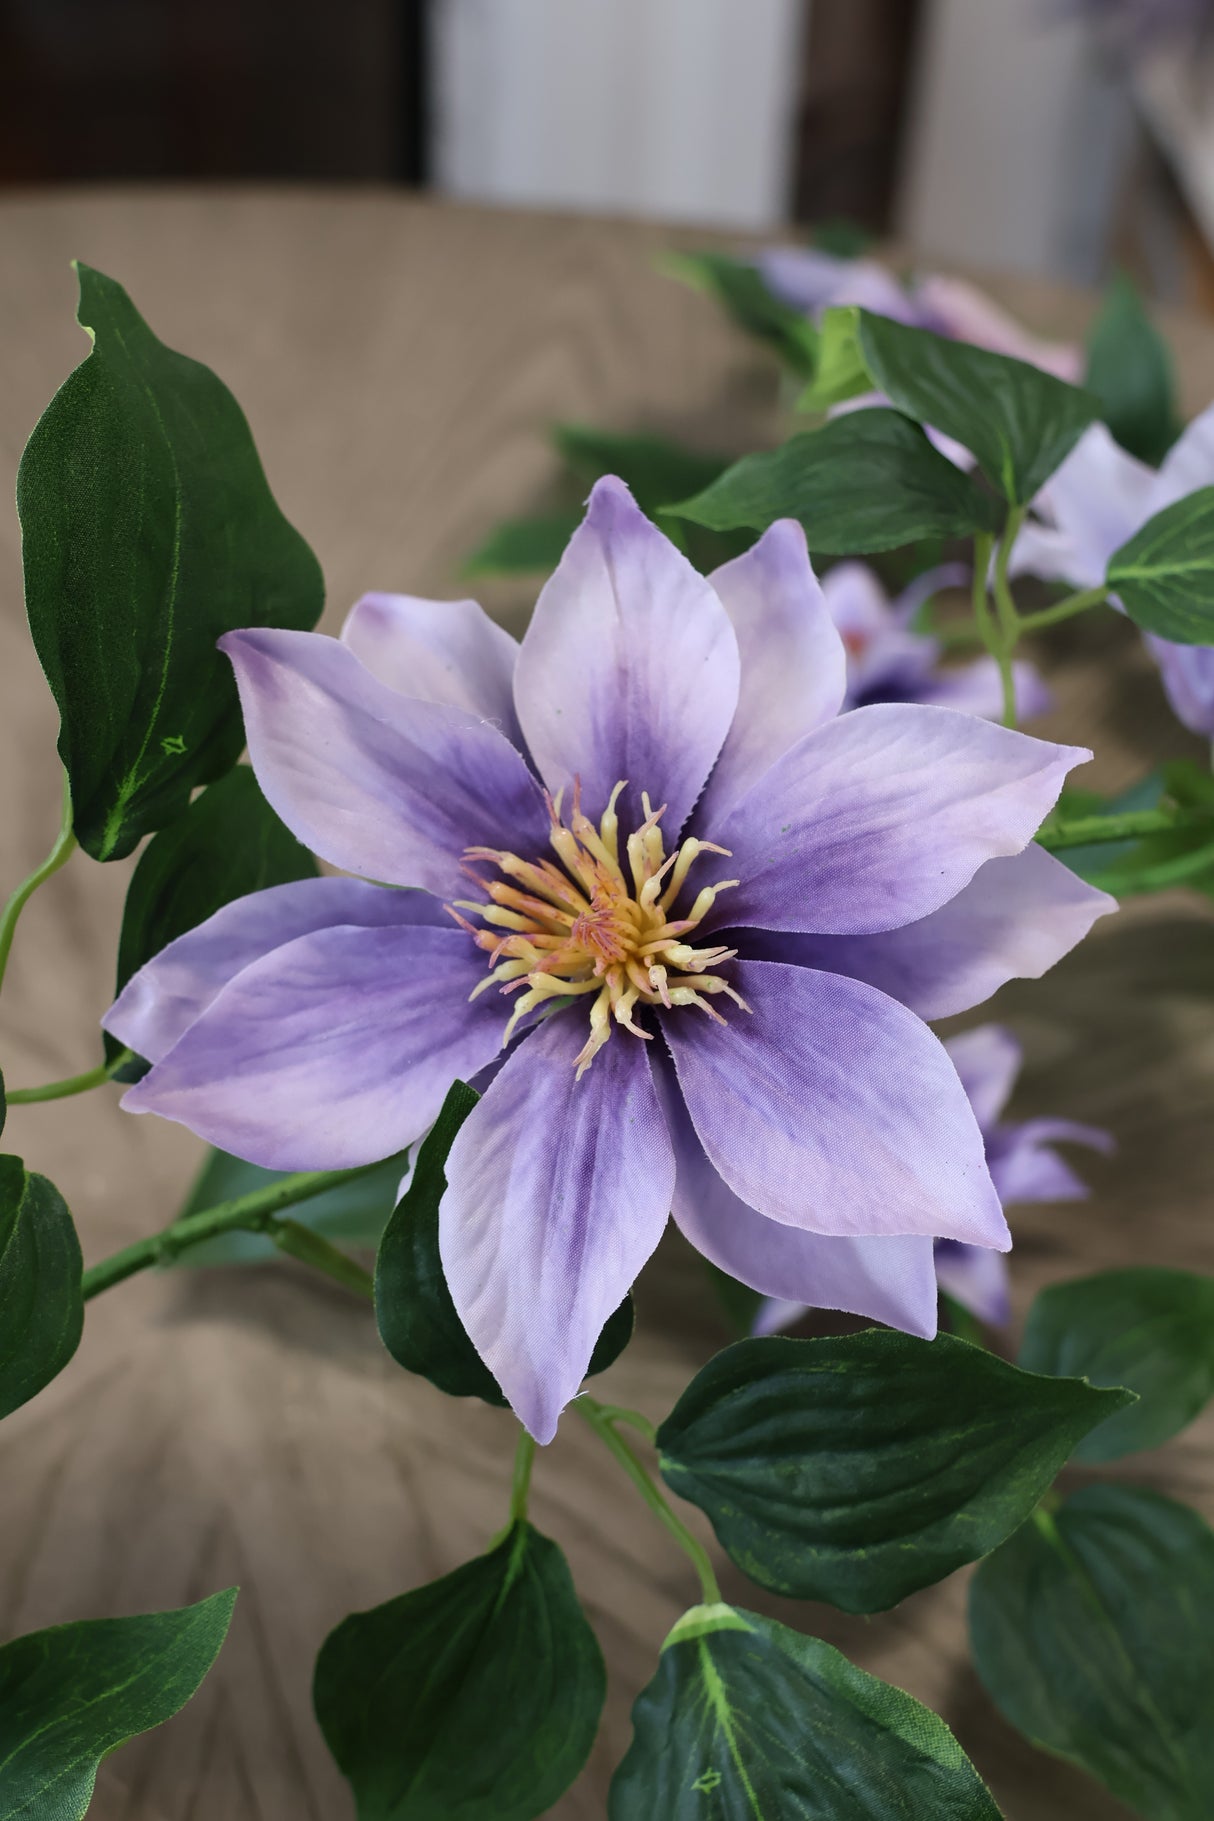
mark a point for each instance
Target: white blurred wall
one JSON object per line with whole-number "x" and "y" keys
{"x": 681, "y": 109}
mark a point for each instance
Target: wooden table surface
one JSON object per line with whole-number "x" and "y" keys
{"x": 399, "y": 361}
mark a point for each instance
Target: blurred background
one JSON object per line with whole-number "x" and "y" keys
{"x": 1058, "y": 138}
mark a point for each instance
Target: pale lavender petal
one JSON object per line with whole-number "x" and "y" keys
{"x": 977, "y": 1278}
{"x": 557, "y": 1193}
{"x": 775, "y": 1313}
{"x": 793, "y": 668}
{"x": 332, "y": 1051}
{"x": 977, "y": 688}
{"x": 629, "y": 668}
{"x": 884, "y": 657}
{"x": 1013, "y": 921}
{"x": 369, "y": 780}
{"x": 832, "y": 1108}
{"x": 170, "y": 991}
{"x": 987, "y": 1060}
{"x": 961, "y": 311}
{"x": 890, "y": 1278}
{"x": 438, "y": 651}
{"x": 810, "y": 280}
{"x": 1187, "y": 674}
{"x": 881, "y": 817}
{"x": 1024, "y": 1168}
{"x": 1094, "y": 502}
{"x": 1188, "y": 464}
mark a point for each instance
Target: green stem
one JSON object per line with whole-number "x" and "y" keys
{"x": 524, "y": 1460}
{"x": 64, "y": 844}
{"x": 252, "y": 1213}
{"x": 1134, "y": 825}
{"x": 1064, "y": 609}
{"x": 1009, "y": 618}
{"x": 75, "y": 1084}
{"x": 599, "y": 1418}
{"x": 310, "y": 1248}
{"x": 618, "y": 1413}
{"x": 992, "y": 632}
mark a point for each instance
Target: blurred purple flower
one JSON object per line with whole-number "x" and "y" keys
{"x": 812, "y": 281}
{"x": 743, "y": 938}
{"x": 887, "y": 661}
{"x": 1137, "y": 27}
{"x": 1091, "y": 506}
{"x": 1023, "y": 1166}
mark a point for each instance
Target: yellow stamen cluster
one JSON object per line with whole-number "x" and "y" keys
{"x": 598, "y": 924}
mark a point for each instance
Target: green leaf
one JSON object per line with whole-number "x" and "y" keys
{"x": 148, "y": 530}
{"x": 748, "y": 1721}
{"x": 524, "y": 545}
{"x": 353, "y": 1214}
{"x": 1129, "y": 370}
{"x": 71, "y": 1695}
{"x": 418, "y": 1323}
{"x": 1093, "y": 1631}
{"x": 228, "y": 843}
{"x": 1021, "y": 423}
{"x": 1164, "y": 576}
{"x": 3, "y": 1104}
{"x": 841, "y": 237}
{"x": 475, "y": 1698}
{"x": 655, "y": 469}
{"x": 866, "y": 481}
{"x": 41, "y": 1310}
{"x": 739, "y": 287}
{"x": 1151, "y": 1329}
{"x": 842, "y": 371}
{"x": 859, "y": 1469}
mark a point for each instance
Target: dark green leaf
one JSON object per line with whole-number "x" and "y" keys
{"x": 841, "y": 237}
{"x": 1130, "y": 371}
{"x": 353, "y": 1214}
{"x": 3, "y": 1104}
{"x": 858, "y": 1469}
{"x": 1021, "y": 423}
{"x": 417, "y": 1319}
{"x": 147, "y": 531}
{"x": 748, "y": 1721}
{"x": 1093, "y": 1631}
{"x": 869, "y": 480}
{"x": 228, "y": 843}
{"x": 475, "y": 1698}
{"x": 41, "y": 1311}
{"x": 71, "y": 1695}
{"x": 1164, "y": 576}
{"x": 1094, "y": 861}
{"x": 1151, "y": 1329}
{"x": 524, "y": 545}
{"x": 655, "y": 469}
{"x": 740, "y": 288}
{"x": 842, "y": 372}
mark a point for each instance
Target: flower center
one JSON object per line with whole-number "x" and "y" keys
{"x": 598, "y": 925}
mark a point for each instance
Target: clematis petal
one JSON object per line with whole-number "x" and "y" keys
{"x": 1092, "y": 504}
{"x": 629, "y": 668}
{"x": 832, "y": 1108}
{"x": 438, "y": 651}
{"x": 881, "y": 817}
{"x": 1188, "y": 464}
{"x": 987, "y": 1060}
{"x": 170, "y": 991}
{"x": 369, "y": 780}
{"x": 891, "y": 1279}
{"x": 1013, "y": 921}
{"x": 1024, "y": 1168}
{"x": 332, "y": 1051}
{"x": 978, "y": 689}
{"x": 557, "y": 1193}
{"x": 977, "y": 1278}
{"x": 1187, "y": 674}
{"x": 793, "y": 665}
{"x": 961, "y": 311}
{"x": 808, "y": 279}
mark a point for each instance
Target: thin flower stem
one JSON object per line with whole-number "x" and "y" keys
{"x": 65, "y": 843}
{"x": 74, "y": 1084}
{"x": 1064, "y": 609}
{"x": 599, "y": 1418}
{"x": 1134, "y": 825}
{"x": 311, "y": 1248}
{"x": 1009, "y": 618}
{"x": 992, "y": 631}
{"x": 524, "y": 1460}
{"x": 618, "y": 1413}
{"x": 253, "y": 1213}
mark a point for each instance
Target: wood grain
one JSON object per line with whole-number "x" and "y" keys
{"x": 399, "y": 362}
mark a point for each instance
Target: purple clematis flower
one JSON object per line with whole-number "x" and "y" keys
{"x": 887, "y": 661}
{"x": 710, "y": 911}
{"x": 1095, "y": 502}
{"x": 1023, "y": 1165}
{"x": 812, "y": 281}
